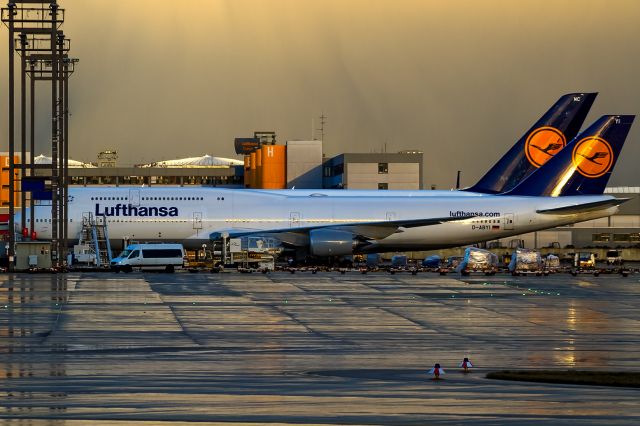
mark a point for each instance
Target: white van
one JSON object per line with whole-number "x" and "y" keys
{"x": 169, "y": 256}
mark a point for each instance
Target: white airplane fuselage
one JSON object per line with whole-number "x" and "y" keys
{"x": 190, "y": 214}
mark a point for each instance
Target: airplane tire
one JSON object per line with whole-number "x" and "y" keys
{"x": 170, "y": 269}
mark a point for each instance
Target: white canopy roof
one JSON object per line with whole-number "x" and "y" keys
{"x": 41, "y": 159}
{"x": 204, "y": 161}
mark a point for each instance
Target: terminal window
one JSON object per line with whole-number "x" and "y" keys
{"x": 383, "y": 168}
{"x": 383, "y": 186}
{"x": 601, "y": 238}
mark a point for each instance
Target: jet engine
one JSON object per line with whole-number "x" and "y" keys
{"x": 331, "y": 242}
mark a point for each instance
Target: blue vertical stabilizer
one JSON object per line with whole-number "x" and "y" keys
{"x": 547, "y": 137}
{"x": 585, "y": 165}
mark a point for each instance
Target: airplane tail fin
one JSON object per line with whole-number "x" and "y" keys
{"x": 541, "y": 142}
{"x": 584, "y": 167}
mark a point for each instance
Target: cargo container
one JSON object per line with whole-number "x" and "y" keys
{"x": 525, "y": 261}
{"x": 478, "y": 260}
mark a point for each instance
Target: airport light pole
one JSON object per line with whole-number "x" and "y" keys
{"x": 32, "y": 46}
{"x": 32, "y": 141}
{"x": 69, "y": 67}
{"x": 55, "y": 244}
{"x": 11, "y": 7}
{"x": 23, "y": 126}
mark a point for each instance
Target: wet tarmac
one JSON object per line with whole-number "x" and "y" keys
{"x": 149, "y": 349}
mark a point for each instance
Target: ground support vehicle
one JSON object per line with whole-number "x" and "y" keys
{"x": 450, "y": 265}
{"x": 584, "y": 263}
{"x": 614, "y": 257}
{"x": 151, "y": 256}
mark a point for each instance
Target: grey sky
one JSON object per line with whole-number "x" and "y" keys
{"x": 460, "y": 80}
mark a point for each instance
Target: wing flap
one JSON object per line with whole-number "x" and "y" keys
{"x": 584, "y": 207}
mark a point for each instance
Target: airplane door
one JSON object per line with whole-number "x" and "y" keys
{"x": 391, "y": 216}
{"x": 294, "y": 219}
{"x": 508, "y": 221}
{"x": 87, "y": 218}
{"x": 197, "y": 220}
{"x": 134, "y": 197}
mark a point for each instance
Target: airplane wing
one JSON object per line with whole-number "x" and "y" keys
{"x": 584, "y": 207}
{"x": 366, "y": 230}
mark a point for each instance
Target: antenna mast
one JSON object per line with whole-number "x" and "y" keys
{"x": 323, "y": 121}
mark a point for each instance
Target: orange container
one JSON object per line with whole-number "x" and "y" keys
{"x": 273, "y": 161}
{"x": 253, "y": 180}
{"x": 247, "y": 171}
{"x": 4, "y": 181}
{"x": 258, "y": 173}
